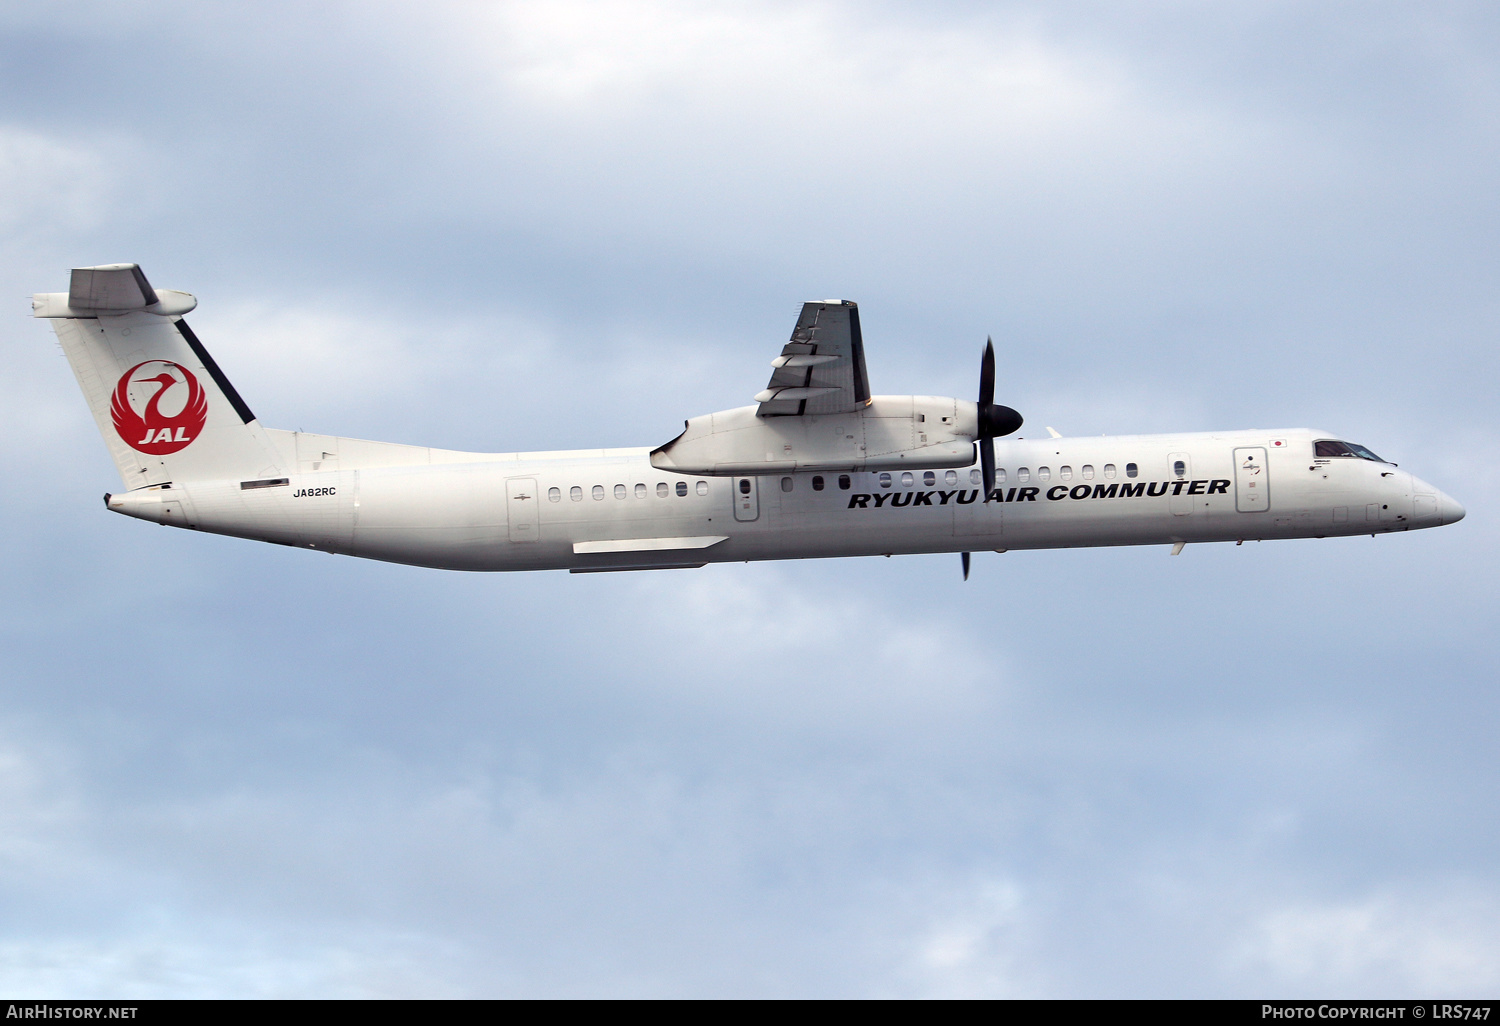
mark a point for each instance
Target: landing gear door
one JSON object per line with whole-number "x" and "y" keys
{"x": 1252, "y": 483}
{"x": 746, "y": 499}
{"x": 522, "y": 508}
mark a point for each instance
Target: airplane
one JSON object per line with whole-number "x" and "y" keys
{"x": 817, "y": 467}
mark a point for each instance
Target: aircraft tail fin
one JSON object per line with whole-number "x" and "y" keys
{"x": 165, "y": 409}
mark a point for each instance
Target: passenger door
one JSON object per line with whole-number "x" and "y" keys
{"x": 746, "y": 499}
{"x": 1252, "y": 481}
{"x": 1180, "y": 468}
{"x": 522, "y": 508}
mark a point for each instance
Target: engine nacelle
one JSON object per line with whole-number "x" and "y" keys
{"x": 889, "y": 432}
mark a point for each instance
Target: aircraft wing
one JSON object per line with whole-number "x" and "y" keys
{"x": 822, "y": 369}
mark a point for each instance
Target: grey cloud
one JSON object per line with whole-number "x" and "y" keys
{"x": 232, "y": 769}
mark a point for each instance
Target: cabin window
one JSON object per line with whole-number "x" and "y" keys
{"x": 640, "y": 491}
{"x": 999, "y": 477}
{"x": 702, "y": 487}
{"x": 1088, "y": 472}
{"x": 662, "y": 489}
{"x": 929, "y": 478}
{"x": 1066, "y": 473}
{"x": 1023, "y": 475}
{"x": 951, "y": 477}
{"x": 598, "y": 491}
{"x": 1131, "y": 470}
{"x": 817, "y": 483}
{"x": 575, "y": 493}
{"x": 786, "y": 484}
{"x": 554, "y": 495}
{"x": 885, "y": 480}
{"x": 1109, "y": 471}
{"x": 681, "y": 488}
{"x": 906, "y": 479}
{"x": 974, "y": 476}
{"x": 619, "y": 491}
{"x": 1179, "y": 468}
{"x": 1044, "y": 473}
{"x": 844, "y": 482}
{"x": 744, "y": 486}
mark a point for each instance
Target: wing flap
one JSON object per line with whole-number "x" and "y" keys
{"x": 821, "y": 370}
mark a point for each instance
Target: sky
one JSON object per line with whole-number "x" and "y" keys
{"x": 240, "y": 770}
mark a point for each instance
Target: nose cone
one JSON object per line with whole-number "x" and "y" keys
{"x": 1433, "y": 508}
{"x": 1450, "y": 509}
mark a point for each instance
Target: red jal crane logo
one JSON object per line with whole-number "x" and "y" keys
{"x": 151, "y": 431}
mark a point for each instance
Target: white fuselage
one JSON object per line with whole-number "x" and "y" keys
{"x": 611, "y": 509}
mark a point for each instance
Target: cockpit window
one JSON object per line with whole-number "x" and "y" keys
{"x": 1327, "y": 448}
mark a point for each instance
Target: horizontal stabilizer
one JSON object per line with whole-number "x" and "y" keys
{"x": 110, "y": 290}
{"x": 118, "y": 287}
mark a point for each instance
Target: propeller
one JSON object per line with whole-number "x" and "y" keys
{"x": 994, "y": 421}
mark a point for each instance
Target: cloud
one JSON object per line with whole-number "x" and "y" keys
{"x": 978, "y": 951}
{"x": 49, "y": 184}
{"x": 36, "y": 812}
{"x": 163, "y": 962}
{"x": 764, "y": 644}
{"x": 1390, "y": 943}
{"x": 246, "y": 770}
{"x": 719, "y": 119}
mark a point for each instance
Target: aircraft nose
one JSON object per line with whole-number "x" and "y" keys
{"x": 1450, "y": 509}
{"x": 1432, "y": 507}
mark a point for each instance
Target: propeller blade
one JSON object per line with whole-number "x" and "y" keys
{"x": 987, "y": 374}
{"x": 994, "y": 421}
{"x": 966, "y": 564}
